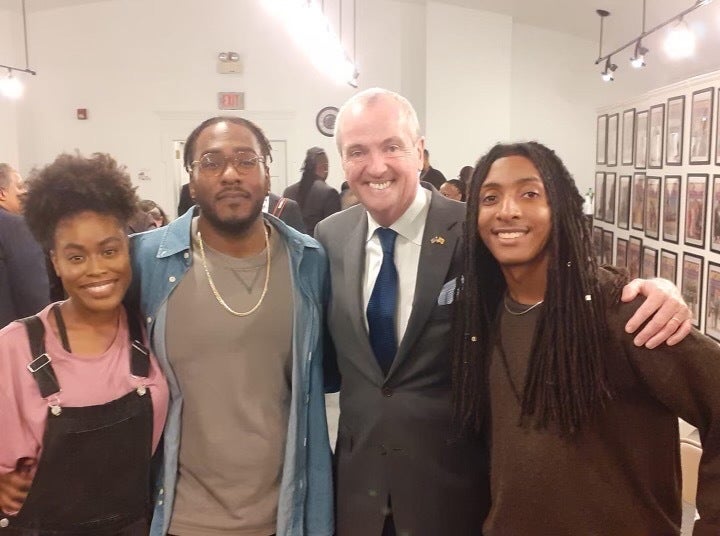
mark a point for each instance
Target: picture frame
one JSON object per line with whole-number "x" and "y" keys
{"x": 649, "y": 262}
{"x": 599, "y": 195}
{"x": 656, "y": 136}
{"x": 717, "y": 137}
{"x": 652, "y": 207}
{"x": 612, "y": 140}
{"x": 641, "y": 140}
{"x": 609, "y": 210}
{"x": 691, "y": 285}
{"x": 668, "y": 265}
{"x": 634, "y": 253}
{"x": 628, "y": 138}
{"x": 696, "y": 209}
{"x": 672, "y": 192}
{"x": 675, "y": 131}
{"x": 637, "y": 213}
{"x": 712, "y": 305}
{"x": 715, "y": 215}
{"x": 623, "y": 209}
{"x": 601, "y": 140}
{"x": 597, "y": 243}
{"x": 701, "y": 118}
{"x": 607, "y": 247}
{"x": 621, "y": 251}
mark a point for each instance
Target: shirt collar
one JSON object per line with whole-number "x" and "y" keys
{"x": 411, "y": 224}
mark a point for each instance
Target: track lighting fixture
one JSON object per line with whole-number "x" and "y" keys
{"x": 11, "y": 87}
{"x": 680, "y": 41}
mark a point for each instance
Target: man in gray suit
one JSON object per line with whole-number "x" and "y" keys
{"x": 393, "y": 263}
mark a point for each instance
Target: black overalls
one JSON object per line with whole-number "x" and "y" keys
{"x": 93, "y": 477}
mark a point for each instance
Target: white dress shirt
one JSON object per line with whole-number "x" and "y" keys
{"x": 410, "y": 228}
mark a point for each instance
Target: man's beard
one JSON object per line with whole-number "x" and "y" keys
{"x": 233, "y": 226}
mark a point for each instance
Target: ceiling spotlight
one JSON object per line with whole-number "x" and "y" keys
{"x": 638, "y": 59}
{"x": 608, "y": 75}
{"x": 680, "y": 41}
{"x": 10, "y": 86}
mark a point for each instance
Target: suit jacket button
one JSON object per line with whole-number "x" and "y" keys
{"x": 387, "y": 392}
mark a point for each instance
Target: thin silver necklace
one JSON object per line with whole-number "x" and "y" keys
{"x": 515, "y": 313}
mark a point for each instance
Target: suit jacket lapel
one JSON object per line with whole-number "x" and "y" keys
{"x": 353, "y": 266}
{"x": 440, "y": 239}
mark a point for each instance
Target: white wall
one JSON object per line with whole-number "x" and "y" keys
{"x": 469, "y": 58}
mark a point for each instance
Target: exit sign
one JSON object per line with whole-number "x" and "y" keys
{"x": 231, "y": 101}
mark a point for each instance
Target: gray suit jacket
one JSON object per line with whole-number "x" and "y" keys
{"x": 394, "y": 435}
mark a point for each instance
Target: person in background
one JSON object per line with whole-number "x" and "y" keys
{"x": 285, "y": 209}
{"x": 24, "y": 286}
{"x": 82, "y": 401}
{"x": 465, "y": 175}
{"x": 186, "y": 201}
{"x": 394, "y": 262}
{"x": 582, "y": 423}
{"x": 453, "y": 189}
{"x": 316, "y": 198}
{"x": 234, "y": 303}
{"x": 155, "y": 211}
{"x": 429, "y": 173}
{"x": 347, "y": 197}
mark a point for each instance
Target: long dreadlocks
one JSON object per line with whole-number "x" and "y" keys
{"x": 566, "y": 381}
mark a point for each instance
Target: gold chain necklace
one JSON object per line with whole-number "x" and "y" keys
{"x": 214, "y": 288}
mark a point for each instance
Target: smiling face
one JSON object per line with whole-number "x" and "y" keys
{"x": 91, "y": 256}
{"x": 232, "y": 201}
{"x": 514, "y": 216}
{"x": 381, "y": 156}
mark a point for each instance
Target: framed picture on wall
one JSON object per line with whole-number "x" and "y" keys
{"x": 641, "y": 140}
{"x": 612, "y": 140}
{"x": 674, "y": 133}
{"x": 671, "y": 208}
{"x": 633, "y": 256}
{"x": 652, "y": 207}
{"x": 712, "y": 309}
{"x": 717, "y": 138}
{"x": 599, "y": 195}
{"x": 715, "y": 215}
{"x": 628, "y": 137}
{"x": 638, "y": 202}
{"x": 656, "y": 136}
{"x": 696, "y": 210}
{"x": 597, "y": 243}
{"x": 668, "y": 265}
{"x": 701, "y": 125}
{"x": 649, "y": 262}
{"x": 691, "y": 285}
{"x": 607, "y": 247}
{"x": 621, "y": 250}
{"x": 623, "y": 210}
{"x": 601, "y": 147}
{"x": 609, "y": 212}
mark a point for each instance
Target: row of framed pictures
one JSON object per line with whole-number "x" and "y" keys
{"x": 652, "y": 205}
{"x": 648, "y": 138}
{"x": 646, "y": 261}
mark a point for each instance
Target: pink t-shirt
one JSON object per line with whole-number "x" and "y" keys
{"x": 85, "y": 381}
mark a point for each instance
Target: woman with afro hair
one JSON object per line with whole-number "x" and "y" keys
{"x": 82, "y": 401}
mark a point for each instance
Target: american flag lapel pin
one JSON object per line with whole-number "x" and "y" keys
{"x": 437, "y": 240}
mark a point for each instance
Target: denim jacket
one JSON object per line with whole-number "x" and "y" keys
{"x": 160, "y": 260}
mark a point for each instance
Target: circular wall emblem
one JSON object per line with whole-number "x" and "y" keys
{"x": 325, "y": 120}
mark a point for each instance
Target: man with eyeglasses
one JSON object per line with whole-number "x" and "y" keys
{"x": 232, "y": 299}
{"x": 394, "y": 262}
{"x": 24, "y": 288}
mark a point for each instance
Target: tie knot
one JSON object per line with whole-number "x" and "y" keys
{"x": 387, "y": 239}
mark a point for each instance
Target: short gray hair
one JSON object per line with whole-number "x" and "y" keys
{"x": 5, "y": 171}
{"x": 369, "y": 96}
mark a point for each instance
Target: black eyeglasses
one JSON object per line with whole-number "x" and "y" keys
{"x": 214, "y": 164}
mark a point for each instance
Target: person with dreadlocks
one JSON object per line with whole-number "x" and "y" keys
{"x": 582, "y": 424}
{"x": 316, "y": 198}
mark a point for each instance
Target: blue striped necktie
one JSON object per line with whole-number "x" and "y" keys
{"x": 383, "y": 304}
